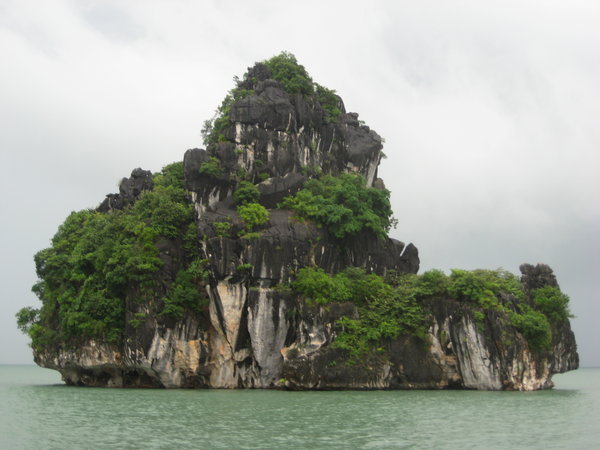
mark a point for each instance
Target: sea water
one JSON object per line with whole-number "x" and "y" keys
{"x": 37, "y": 412}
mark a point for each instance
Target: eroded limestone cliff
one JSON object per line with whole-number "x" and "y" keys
{"x": 250, "y": 329}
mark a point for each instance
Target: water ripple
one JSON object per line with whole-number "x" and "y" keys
{"x": 36, "y": 412}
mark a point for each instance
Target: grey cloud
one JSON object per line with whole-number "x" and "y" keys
{"x": 111, "y": 21}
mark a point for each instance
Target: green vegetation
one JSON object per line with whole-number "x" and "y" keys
{"x": 479, "y": 316}
{"x": 329, "y": 101}
{"x": 552, "y": 302}
{"x": 138, "y": 319}
{"x": 170, "y": 175}
{"x": 186, "y": 293}
{"x": 390, "y": 307}
{"x": 251, "y": 235}
{"x": 483, "y": 286}
{"x": 534, "y": 326}
{"x": 343, "y": 205}
{"x": 295, "y": 79}
{"x": 483, "y": 289}
{"x": 213, "y": 129}
{"x": 97, "y": 260}
{"x": 246, "y": 193}
{"x": 222, "y": 228}
{"x": 253, "y": 215}
{"x": 318, "y": 287}
{"x": 433, "y": 283}
{"x": 212, "y": 167}
{"x": 311, "y": 171}
{"x": 26, "y": 317}
{"x": 245, "y": 269}
{"x": 385, "y": 311}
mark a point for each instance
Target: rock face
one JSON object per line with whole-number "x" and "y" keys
{"x": 255, "y": 334}
{"x": 253, "y": 341}
{"x": 129, "y": 190}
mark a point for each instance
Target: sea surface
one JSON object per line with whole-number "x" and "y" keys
{"x": 38, "y": 412}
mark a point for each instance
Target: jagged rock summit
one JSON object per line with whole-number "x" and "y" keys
{"x": 263, "y": 261}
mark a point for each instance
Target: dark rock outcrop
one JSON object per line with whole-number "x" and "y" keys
{"x": 129, "y": 190}
{"x": 535, "y": 277}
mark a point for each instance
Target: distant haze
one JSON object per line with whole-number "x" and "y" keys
{"x": 489, "y": 110}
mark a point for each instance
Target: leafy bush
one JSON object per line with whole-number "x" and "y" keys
{"x": 385, "y": 312}
{"x": 285, "y": 69}
{"x": 198, "y": 270}
{"x": 479, "y": 316}
{"x": 552, "y": 302}
{"x": 170, "y": 175}
{"x": 222, "y": 228}
{"x": 471, "y": 286}
{"x": 483, "y": 286}
{"x": 26, "y": 317}
{"x": 244, "y": 268}
{"x": 138, "y": 319}
{"x": 343, "y": 205}
{"x": 433, "y": 283}
{"x": 534, "y": 326}
{"x": 212, "y": 167}
{"x": 388, "y": 308}
{"x": 246, "y": 193}
{"x": 187, "y": 292}
{"x": 251, "y": 235}
{"x": 165, "y": 209}
{"x": 508, "y": 282}
{"x": 329, "y": 102}
{"x": 316, "y": 286}
{"x": 253, "y": 215}
{"x": 386, "y": 316}
{"x": 42, "y": 337}
{"x": 97, "y": 259}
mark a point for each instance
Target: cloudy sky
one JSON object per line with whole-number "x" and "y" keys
{"x": 489, "y": 109}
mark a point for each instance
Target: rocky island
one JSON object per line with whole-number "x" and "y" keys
{"x": 263, "y": 261}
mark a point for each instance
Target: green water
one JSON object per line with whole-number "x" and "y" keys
{"x": 37, "y": 411}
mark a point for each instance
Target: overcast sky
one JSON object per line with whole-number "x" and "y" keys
{"x": 489, "y": 109}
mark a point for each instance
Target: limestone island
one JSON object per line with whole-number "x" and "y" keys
{"x": 263, "y": 261}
